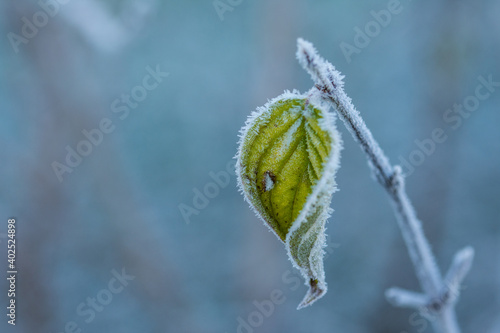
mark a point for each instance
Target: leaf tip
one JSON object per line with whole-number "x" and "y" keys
{"x": 315, "y": 292}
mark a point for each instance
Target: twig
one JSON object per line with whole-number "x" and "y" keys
{"x": 439, "y": 295}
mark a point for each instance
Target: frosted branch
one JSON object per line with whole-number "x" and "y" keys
{"x": 330, "y": 82}
{"x": 439, "y": 295}
{"x": 405, "y": 298}
{"x": 459, "y": 268}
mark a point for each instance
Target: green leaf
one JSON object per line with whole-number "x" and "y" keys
{"x": 287, "y": 159}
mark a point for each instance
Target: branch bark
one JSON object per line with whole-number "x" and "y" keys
{"x": 439, "y": 296}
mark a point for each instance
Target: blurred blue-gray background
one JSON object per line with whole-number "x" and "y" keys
{"x": 163, "y": 87}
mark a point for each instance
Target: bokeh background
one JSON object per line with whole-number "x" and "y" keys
{"x": 120, "y": 208}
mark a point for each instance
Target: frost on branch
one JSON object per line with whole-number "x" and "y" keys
{"x": 287, "y": 158}
{"x": 329, "y": 82}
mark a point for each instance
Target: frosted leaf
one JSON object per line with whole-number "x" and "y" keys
{"x": 287, "y": 158}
